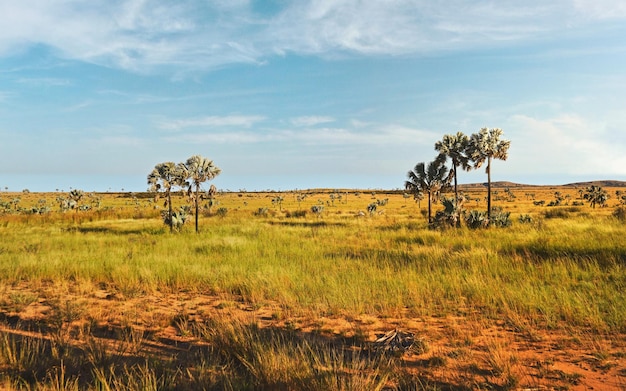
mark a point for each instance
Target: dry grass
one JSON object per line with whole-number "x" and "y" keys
{"x": 292, "y": 300}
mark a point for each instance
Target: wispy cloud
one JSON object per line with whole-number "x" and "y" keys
{"x": 389, "y": 135}
{"x": 567, "y": 143}
{"x": 78, "y": 106}
{"x": 4, "y": 95}
{"x": 210, "y": 122}
{"x": 311, "y": 120}
{"x": 44, "y": 82}
{"x": 144, "y": 36}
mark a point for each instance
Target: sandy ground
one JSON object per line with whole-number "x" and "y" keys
{"x": 453, "y": 351}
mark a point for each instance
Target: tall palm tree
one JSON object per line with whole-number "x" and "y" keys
{"x": 455, "y": 147}
{"x": 163, "y": 177}
{"x": 485, "y": 146}
{"x": 428, "y": 180}
{"x": 198, "y": 169}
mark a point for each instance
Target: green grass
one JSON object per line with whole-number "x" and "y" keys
{"x": 554, "y": 273}
{"x": 560, "y": 270}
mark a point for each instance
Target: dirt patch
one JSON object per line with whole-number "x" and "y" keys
{"x": 453, "y": 351}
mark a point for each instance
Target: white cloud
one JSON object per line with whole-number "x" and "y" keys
{"x": 144, "y": 35}
{"x": 234, "y": 137}
{"x": 210, "y": 122}
{"x": 311, "y": 120}
{"x": 388, "y": 136}
{"x": 121, "y": 141}
{"x": 78, "y": 106}
{"x": 565, "y": 144}
{"x": 44, "y": 82}
{"x": 601, "y": 9}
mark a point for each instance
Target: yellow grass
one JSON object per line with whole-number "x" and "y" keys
{"x": 252, "y": 294}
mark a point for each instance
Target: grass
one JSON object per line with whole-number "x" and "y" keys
{"x": 564, "y": 270}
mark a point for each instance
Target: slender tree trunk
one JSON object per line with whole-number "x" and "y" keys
{"x": 456, "y": 193}
{"x": 488, "y": 190}
{"x": 429, "y": 209}
{"x": 197, "y": 202}
{"x": 169, "y": 210}
{"x": 456, "y": 200}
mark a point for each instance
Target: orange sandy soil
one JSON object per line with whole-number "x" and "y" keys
{"x": 460, "y": 352}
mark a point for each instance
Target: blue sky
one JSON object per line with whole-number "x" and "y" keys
{"x": 302, "y": 94}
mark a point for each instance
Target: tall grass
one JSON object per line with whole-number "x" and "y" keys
{"x": 556, "y": 272}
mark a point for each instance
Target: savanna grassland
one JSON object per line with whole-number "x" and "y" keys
{"x": 270, "y": 295}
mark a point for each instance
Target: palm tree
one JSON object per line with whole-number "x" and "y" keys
{"x": 163, "y": 177}
{"x": 428, "y": 180}
{"x": 198, "y": 169}
{"x": 455, "y": 147}
{"x": 485, "y": 146}
{"x": 596, "y": 195}
{"x": 76, "y": 195}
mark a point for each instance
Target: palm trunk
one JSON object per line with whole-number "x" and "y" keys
{"x": 430, "y": 220}
{"x": 456, "y": 193}
{"x": 169, "y": 210}
{"x": 488, "y": 190}
{"x": 197, "y": 202}
{"x": 456, "y": 200}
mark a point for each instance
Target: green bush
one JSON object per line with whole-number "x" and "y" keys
{"x": 525, "y": 219}
{"x": 500, "y": 218}
{"x": 476, "y": 219}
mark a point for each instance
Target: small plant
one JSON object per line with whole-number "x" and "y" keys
{"x": 317, "y": 209}
{"x": 261, "y": 212}
{"x": 620, "y": 213}
{"x": 297, "y": 213}
{"x": 371, "y": 208}
{"x": 177, "y": 219}
{"x": 222, "y": 211}
{"x": 525, "y": 219}
{"x": 500, "y": 218}
{"x": 476, "y": 219}
{"x": 382, "y": 202}
{"x": 449, "y": 217}
{"x": 278, "y": 200}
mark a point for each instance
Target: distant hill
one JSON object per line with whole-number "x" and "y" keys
{"x": 503, "y": 184}
{"x": 605, "y": 183}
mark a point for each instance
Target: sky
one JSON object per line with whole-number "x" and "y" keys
{"x": 303, "y": 94}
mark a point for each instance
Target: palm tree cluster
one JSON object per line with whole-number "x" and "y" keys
{"x": 465, "y": 152}
{"x": 188, "y": 175}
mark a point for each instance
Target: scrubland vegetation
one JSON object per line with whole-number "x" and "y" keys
{"x": 291, "y": 291}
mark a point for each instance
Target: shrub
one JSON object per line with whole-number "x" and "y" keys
{"x": 556, "y": 213}
{"x": 620, "y": 213}
{"x": 177, "y": 218}
{"x": 500, "y": 218}
{"x": 476, "y": 219}
{"x": 382, "y": 202}
{"x": 448, "y": 217}
{"x": 297, "y": 213}
{"x": 317, "y": 209}
{"x": 261, "y": 212}
{"x": 221, "y": 211}
{"x": 525, "y": 219}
